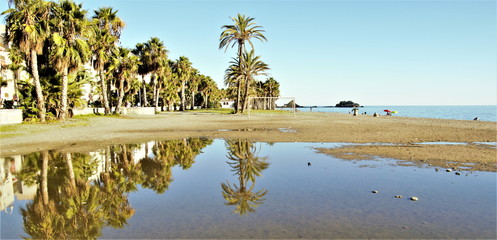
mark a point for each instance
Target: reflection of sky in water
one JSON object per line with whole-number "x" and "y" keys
{"x": 330, "y": 199}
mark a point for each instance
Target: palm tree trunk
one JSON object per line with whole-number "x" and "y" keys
{"x": 145, "y": 103}
{"x": 44, "y": 177}
{"x": 103, "y": 85}
{"x": 245, "y": 95}
{"x": 120, "y": 97}
{"x": 65, "y": 82}
{"x": 193, "y": 101}
{"x": 155, "y": 93}
{"x": 157, "y": 98}
{"x": 40, "y": 101}
{"x": 240, "y": 63}
{"x": 183, "y": 100}
{"x": 17, "y": 76}
{"x": 70, "y": 169}
{"x": 204, "y": 96}
{"x": 238, "y": 90}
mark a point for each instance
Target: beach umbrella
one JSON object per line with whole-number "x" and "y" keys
{"x": 394, "y": 112}
{"x": 386, "y": 110}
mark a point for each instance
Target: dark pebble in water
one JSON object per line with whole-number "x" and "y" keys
{"x": 374, "y": 191}
{"x": 414, "y": 198}
{"x": 398, "y": 196}
{"x": 448, "y": 170}
{"x": 458, "y": 173}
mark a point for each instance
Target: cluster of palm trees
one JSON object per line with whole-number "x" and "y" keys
{"x": 240, "y": 75}
{"x": 56, "y": 40}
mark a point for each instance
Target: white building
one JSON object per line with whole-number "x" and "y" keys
{"x": 7, "y": 92}
{"x": 227, "y": 103}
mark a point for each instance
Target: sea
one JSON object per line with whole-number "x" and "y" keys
{"x": 468, "y": 112}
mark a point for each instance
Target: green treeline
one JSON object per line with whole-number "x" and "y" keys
{"x": 62, "y": 47}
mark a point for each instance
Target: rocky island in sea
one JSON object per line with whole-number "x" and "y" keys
{"x": 347, "y": 104}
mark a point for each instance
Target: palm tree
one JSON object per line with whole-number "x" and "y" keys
{"x": 123, "y": 67}
{"x": 69, "y": 50}
{"x": 164, "y": 81}
{"x": 271, "y": 88}
{"x": 193, "y": 85}
{"x": 170, "y": 90}
{"x": 153, "y": 57}
{"x": 108, "y": 27}
{"x": 243, "y": 29}
{"x": 184, "y": 70}
{"x": 27, "y": 28}
{"x": 143, "y": 69}
{"x": 156, "y": 59}
{"x": 250, "y": 67}
{"x": 207, "y": 87}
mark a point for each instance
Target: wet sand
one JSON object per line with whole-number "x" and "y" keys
{"x": 91, "y": 133}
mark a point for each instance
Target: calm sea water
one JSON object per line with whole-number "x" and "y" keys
{"x": 484, "y": 113}
{"x": 199, "y": 188}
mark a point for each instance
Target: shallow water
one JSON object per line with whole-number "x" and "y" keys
{"x": 483, "y": 113}
{"x": 174, "y": 189}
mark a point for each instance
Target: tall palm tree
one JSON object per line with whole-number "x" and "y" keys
{"x": 123, "y": 67}
{"x": 164, "y": 81}
{"x": 108, "y": 27}
{"x": 27, "y": 28}
{"x": 207, "y": 87}
{"x": 156, "y": 59}
{"x": 193, "y": 85}
{"x": 184, "y": 70}
{"x": 153, "y": 57}
{"x": 70, "y": 50}
{"x": 243, "y": 29}
{"x": 143, "y": 70}
{"x": 171, "y": 87}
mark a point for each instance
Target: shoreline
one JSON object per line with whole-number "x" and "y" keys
{"x": 89, "y": 133}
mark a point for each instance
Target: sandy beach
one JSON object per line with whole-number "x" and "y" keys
{"x": 91, "y": 133}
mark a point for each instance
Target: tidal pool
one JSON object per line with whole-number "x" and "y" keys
{"x": 200, "y": 188}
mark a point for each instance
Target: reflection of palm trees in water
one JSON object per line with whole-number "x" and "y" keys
{"x": 157, "y": 170}
{"x": 247, "y": 166}
{"x": 67, "y": 206}
{"x": 74, "y": 202}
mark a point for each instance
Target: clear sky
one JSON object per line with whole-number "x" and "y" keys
{"x": 371, "y": 52}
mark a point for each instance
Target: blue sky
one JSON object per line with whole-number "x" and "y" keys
{"x": 371, "y": 52}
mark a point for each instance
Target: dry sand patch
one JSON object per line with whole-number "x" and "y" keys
{"x": 91, "y": 133}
